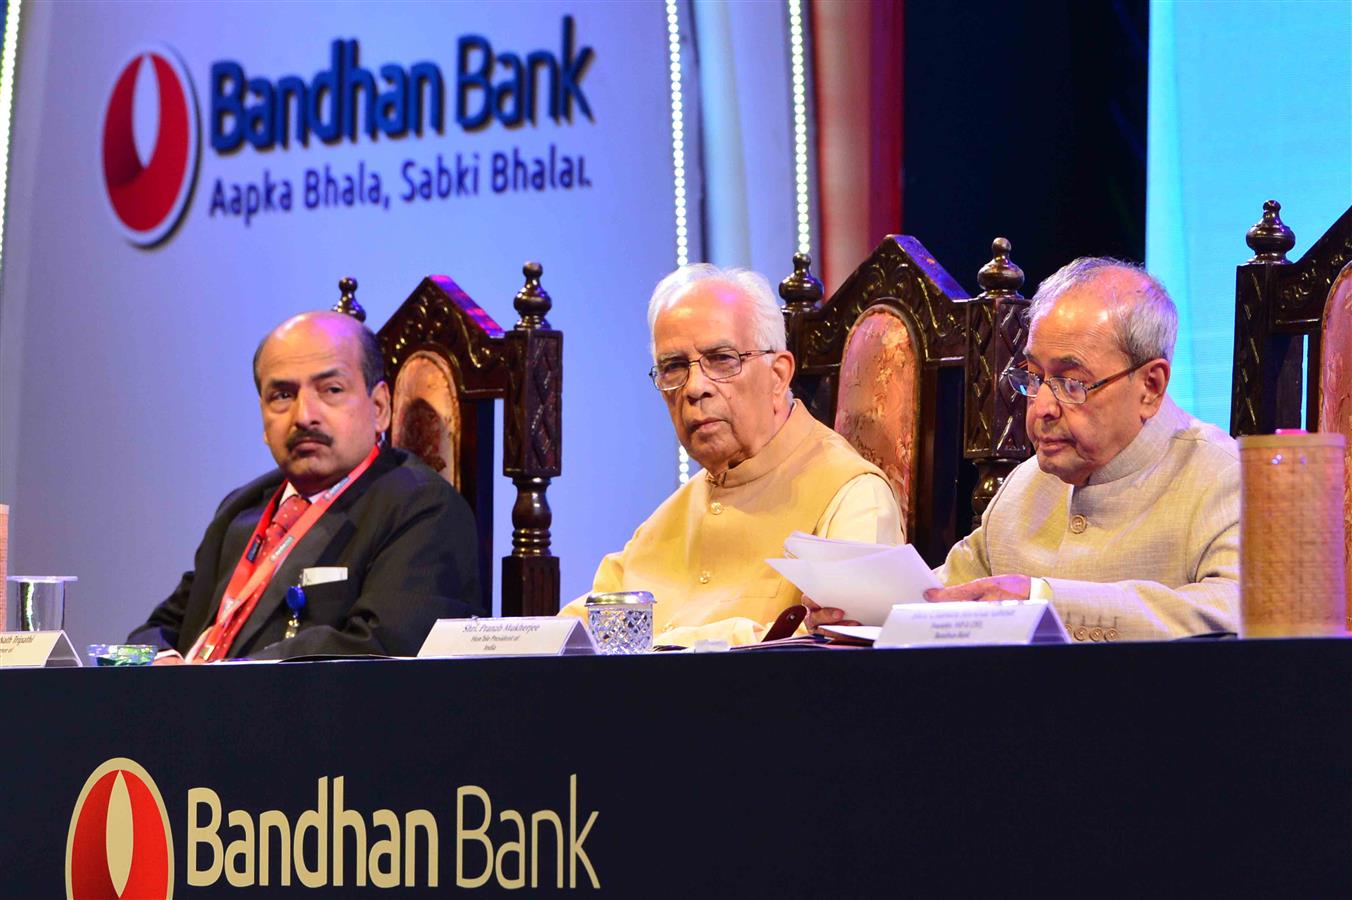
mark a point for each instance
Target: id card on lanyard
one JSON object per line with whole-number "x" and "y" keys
{"x": 252, "y": 575}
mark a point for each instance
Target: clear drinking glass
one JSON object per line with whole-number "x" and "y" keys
{"x": 41, "y": 602}
{"x": 621, "y": 622}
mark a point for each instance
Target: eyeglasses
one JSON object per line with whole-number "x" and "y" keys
{"x": 1066, "y": 390}
{"x": 717, "y": 365}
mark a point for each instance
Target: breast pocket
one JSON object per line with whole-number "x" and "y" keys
{"x": 765, "y": 598}
{"x": 329, "y": 603}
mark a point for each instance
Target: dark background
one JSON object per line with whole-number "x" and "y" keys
{"x": 1026, "y": 121}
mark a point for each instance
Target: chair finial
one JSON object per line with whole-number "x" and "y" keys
{"x": 532, "y": 301}
{"x": 1000, "y": 275}
{"x": 347, "y": 301}
{"x": 1270, "y": 238}
{"x": 802, "y": 290}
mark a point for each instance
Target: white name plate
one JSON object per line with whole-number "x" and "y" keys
{"x": 524, "y": 636}
{"x": 37, "y": 649}
{"x": 958, "y": 624}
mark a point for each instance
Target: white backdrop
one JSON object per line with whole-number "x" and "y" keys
{"x": 127, "y": 408}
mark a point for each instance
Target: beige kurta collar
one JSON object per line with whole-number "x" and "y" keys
{"x": 792, "y": 433}
{"x": 1147, "y": 448}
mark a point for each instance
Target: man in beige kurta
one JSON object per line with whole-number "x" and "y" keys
{"x": 1128, "y": 517}
{"x": 1146, "y": 548}
{"x": 769, "y": 468}
{"x": 1127, "y": 520}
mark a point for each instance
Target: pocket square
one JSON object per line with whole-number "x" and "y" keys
{"x": 322, "y": 575}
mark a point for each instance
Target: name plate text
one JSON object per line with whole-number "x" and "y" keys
{"x": 36, "y": 649}
{"x": 524, "y": 636}
{"x": 959, "y": 624}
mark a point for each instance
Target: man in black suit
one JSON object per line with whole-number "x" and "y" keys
{"x": 379, "y": 545}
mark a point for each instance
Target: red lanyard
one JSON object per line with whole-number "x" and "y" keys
{"x": 251, "y": 576}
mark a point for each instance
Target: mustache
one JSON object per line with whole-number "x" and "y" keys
{"x": 307, "y": 434}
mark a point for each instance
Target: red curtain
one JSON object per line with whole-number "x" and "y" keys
{"x": 857, "y": 75}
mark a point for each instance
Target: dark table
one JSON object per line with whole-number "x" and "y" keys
{"x": 1189, "y": 768}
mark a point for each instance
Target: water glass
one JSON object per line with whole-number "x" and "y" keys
{"x": 621, "y": 622}
{"x": 42, "y": 601}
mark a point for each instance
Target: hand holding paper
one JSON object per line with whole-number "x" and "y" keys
{"x": 863, "y": 580}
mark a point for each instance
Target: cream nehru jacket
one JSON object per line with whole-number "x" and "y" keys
{"x": 702, "y": 552}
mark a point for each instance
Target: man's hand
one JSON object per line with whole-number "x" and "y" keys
{"x": 818, "y": 616}
{"x": 168, "y": 658}
{"x": 996, "y": 587}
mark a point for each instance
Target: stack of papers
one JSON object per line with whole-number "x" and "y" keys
{"x": 864, "y": 580}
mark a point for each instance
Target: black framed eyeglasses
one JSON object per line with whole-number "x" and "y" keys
{"x": 1066, "y": 390}
{"x": 717, "y": 365}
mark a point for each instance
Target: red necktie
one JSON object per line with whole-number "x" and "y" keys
{"x": 287, "y": 515}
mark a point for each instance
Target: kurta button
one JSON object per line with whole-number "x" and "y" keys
{"x": 704, "y": 577}
{"x": 1096, "y": 634}
{"x": 1110, "y": 634}
{"x": 716, "y": 508}
{"x": 1078, "y": 524}
{"x": 1081, "y": 633}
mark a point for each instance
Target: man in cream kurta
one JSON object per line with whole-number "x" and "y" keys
{"x": 1147, "y": 548}
{"x": 769, "y": 467}
{"x": 1128, "y": 518}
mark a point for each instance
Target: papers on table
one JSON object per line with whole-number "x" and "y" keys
{"x": 864, "y": 635}
{"x": 864, "y": 580}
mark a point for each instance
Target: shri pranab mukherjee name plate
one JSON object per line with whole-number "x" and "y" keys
{"x": 971, "y": 624}
{"x": 37, "y": 649}
{"x": 524, "y": 636}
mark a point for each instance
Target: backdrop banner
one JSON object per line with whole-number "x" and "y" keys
{"x": 185, "y": 176}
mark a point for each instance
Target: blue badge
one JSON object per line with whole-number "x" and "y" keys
{"x": 295, "y": 599}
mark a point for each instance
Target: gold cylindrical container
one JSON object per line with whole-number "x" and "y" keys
{"x": 1292, "y": 558}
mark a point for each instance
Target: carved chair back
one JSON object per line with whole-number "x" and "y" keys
{"x": 1293, "y": 336}
{"x": 447, "y": 362}
{"x": 907, "y": 367}
{"x": 1279, "y": 314}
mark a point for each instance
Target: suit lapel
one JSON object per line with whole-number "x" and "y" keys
{"x": 302, "y": 556}
{"x": 243, "y": 512}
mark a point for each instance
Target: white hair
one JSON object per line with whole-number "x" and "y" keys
{"x": 767, "y": 318}
{"x": 1145, "y": 320}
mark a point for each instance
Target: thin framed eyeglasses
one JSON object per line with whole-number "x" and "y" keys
{"x": 1066, "y": 390}
{"x": 717, "y": 365}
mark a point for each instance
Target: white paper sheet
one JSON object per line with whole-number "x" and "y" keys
{"x": 853, "y": 632}
{"x": 863, "y": 584}
{"x": 801, "y": 545}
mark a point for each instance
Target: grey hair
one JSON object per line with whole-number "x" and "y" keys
{"x": 1145, "y": 320}
{"x": 766, "y": 315}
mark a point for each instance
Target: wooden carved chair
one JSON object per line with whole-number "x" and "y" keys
{"x": 1293, "y": 318}
{"x": 907, "y": 367}
{"x": 1285, "y": 315}
{"x": 447, "y": 361}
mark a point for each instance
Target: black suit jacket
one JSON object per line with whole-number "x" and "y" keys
{"x": 405, "y": 536}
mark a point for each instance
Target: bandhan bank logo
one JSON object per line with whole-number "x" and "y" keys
{"x": 148, "y": 189}
{"x": 120, "y": 844}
